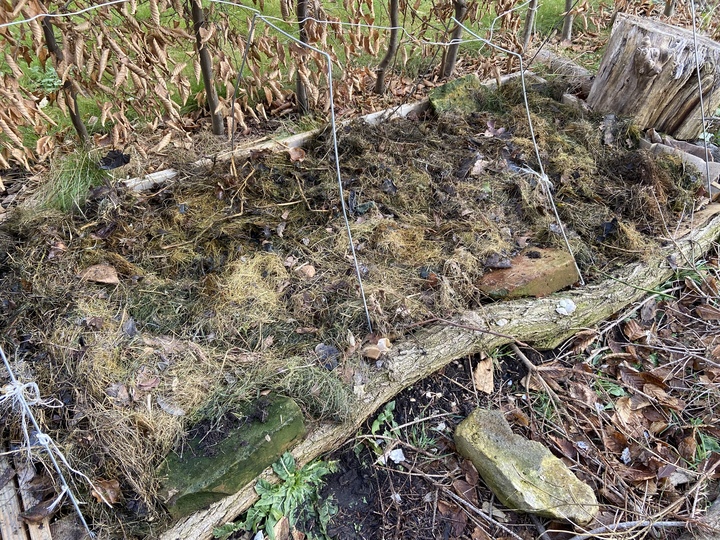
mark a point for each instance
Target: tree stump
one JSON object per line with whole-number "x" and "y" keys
{"x": 649, "y": 72}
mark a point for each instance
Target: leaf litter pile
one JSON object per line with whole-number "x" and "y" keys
{"x": 144, "y": 314}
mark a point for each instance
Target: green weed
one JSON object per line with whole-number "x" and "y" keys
{"x": 381, "y": 429}
{"x": 609, "y": 387}
{"x": 296, "y": 496}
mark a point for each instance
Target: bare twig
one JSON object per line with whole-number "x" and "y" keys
{"x": 617, "y": 527}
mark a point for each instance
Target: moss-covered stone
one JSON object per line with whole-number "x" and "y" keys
{"x": 194, "y": 480}
{"x": 523, "y": 474}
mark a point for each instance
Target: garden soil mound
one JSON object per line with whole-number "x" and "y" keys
{"x": 144, "y": 314}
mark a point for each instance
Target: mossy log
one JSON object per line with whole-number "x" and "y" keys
{"x": 439, "y": 343}
{"x": 649, "y": 72}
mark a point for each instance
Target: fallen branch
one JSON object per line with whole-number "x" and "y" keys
{"x": 429, "y": 349}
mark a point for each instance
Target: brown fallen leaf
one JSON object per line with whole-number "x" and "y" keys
{"x": 296, "y": 154}
{"x": 483, "y": 376}
{"x": 41, "y": 511}
{"x": 372, "y": 352}
{"x": 107, "y": 491}
{"x": 119, "y": 394}
{"x": 466, "y": 491}
{"x": 707, "y": 312}
{"x": 307, "y": 271}
{"x": 146, "y": 380}
{"x": 57, "y": 250}
{"x": 100, "y": 273}
{"x": 583, "y": 340}
{"x": 687, "y": 448}
{"x": 634, "y": 331}
{"x": 479, "y": 534}
{"x": 471, "y": 474}
{"x": 281, "y": 529}
{"x": 455, "y": 515}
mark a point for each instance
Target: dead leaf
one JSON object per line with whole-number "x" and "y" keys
{"x": 663, "y": 397}
{"x": 455, "y": 515}
{"x": 41, "y": 511}
{"x": 687, "y": 448}
{"x": 634, "y": 474}
{"x": 306, "y": 330}
{"x": 492, "y": 131}
{"x": 466, "y": 491}
{"x": 170, "y": 408}
{"x": 372, "y": 352}
{"x": 614, "y": 440}
{"x": 471, "y": 475}
{"x": 100, "y": 273}
{"x": 163, "y": 143}
{"x": 583, "y": 393}
{"x": 483, "y": 376}
{"x": 479, "y": 167}
{"x": 282, "y": 529}
{"x": 306, "y": 270}
{"x": 95, "y": 323}
{"x": 146, "y": 380}
{"x": 627, "y": 417}
{"x": 494, "y": 512}
{"x": 566, "y": 447}
{"x": 119, "y": 394}
{"x": 633, "y": 331}
{"x": 479, "y": 534}
{"x": 297, "y": 154}
{"x": 267, "y": 343}
{"x": 583, "y": 340}
{"x": 57, "y": 250}
{"x": 666, "y": 470}
{"x": 648, "y": 311}
{"x": 107, "y": 491}
{"x": 707, "y": 312}
{"x": 384, "y": 345}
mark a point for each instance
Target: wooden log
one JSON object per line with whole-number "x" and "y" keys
{"x": 649, "y": 72}
{"x": 430, "y": 349}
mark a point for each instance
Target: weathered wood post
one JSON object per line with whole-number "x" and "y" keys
{"x": 649, "y": 72}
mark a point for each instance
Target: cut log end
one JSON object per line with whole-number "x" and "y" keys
{"x": 649, "y": 72}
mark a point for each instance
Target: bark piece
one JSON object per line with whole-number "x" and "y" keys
{"x": 649, "y": 72}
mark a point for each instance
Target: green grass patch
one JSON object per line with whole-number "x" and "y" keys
{"x": 70, "y": 179}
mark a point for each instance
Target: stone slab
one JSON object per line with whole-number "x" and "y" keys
{"x": 534, "y": 272}
{"x": 523, "y": 474}
{"x": 195, "y": 480}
